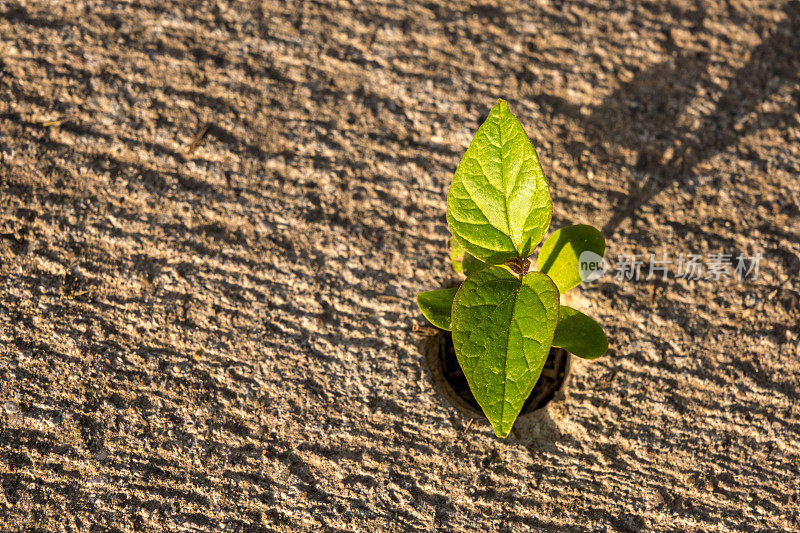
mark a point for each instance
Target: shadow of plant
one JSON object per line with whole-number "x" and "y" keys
{"x": 643, "y": 113}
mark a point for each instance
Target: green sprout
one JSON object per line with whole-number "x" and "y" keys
{"x": 506, "y": 314}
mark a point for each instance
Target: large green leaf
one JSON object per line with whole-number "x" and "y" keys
{"x": 437, "y": 306}
{"x": 560, "y": 254}
{"x": 499, "y": 204}
{"x": 502, "y": 332}
{"x": 579, "y": 334}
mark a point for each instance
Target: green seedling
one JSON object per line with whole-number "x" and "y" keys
{"x": 506, "y": 314}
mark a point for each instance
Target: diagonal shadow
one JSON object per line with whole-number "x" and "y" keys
{"x": 644, "y": 112}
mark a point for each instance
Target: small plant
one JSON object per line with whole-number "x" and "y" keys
{"x": 506, "y": 314}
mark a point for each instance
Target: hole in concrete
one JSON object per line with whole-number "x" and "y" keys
{"x": 452, "y": 384}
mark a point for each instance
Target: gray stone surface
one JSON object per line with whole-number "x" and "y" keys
{"x": 220, "y": 334}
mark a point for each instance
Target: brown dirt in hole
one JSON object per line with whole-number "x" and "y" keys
{"x": 449, "y": 377}
{"x": 215, "y": 331}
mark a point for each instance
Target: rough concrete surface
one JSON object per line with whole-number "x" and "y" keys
{"x": 215, "y": 216}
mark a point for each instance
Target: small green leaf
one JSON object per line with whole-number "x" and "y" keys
{"x": 462, "y": 260}
{"x": 437, "y": 306}
{"x": 472, "y": 264}
{"x": 503, "y": 330}
{"x": 560, "y": 254}
{"x": 457, "y": 255}
{"x": 579, "y": 334}
{"x": 499, "y": 204}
